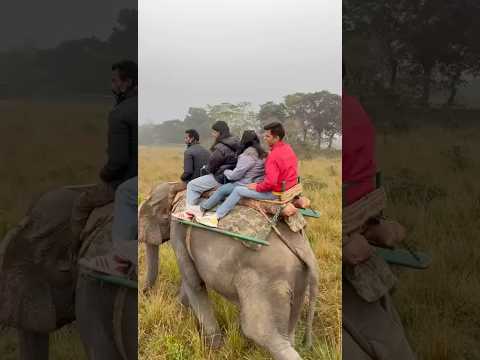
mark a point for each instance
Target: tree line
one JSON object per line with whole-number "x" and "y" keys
{"x": 73, "y": 67}
{"x": 312, "y": 119}
{"x": 408, "y": 50}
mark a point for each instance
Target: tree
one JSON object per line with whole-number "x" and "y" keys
{"x": 239, "y": 117}
{"x": 271, "y": 111}
{"x": 170, "y": 132}
{"x": 124, "y": 37}
{"x": 198, "y": 119}
{"x": 327, "y": 119}
{"x": 314, "y": 114}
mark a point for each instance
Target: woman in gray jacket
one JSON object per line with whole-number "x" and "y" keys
{"x": 250, "y": 168}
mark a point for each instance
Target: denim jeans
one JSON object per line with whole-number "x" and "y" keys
{"x": 124, "y": 226}
{"x": 218, "y": 196}
{"x": 237, "y": 194}
{"x": 197, "y": 186}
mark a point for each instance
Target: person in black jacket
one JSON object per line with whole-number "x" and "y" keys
{"x": 195, "y": 156}
{"x": 122, "y": 148}
{"x": 224, "y": 153}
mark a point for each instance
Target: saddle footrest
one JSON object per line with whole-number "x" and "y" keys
{"x": 290, "y": 194}
{"x": 225, "y": 232}
{"x": 111, "y": 279}
{"x": 403, "y": 257}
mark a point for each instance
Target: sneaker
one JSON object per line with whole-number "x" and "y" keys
{"x": 195, "y": 211}
{"x": 208, "y": 220}
{"x": 183, "y": 215}
{"x": 108, "y": 264}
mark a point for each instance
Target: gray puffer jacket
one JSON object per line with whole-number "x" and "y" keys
{"x": 250, "y": 168}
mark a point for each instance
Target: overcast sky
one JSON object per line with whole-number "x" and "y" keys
{"x": 193, "y": 53}
{"x": 46, "y": 23}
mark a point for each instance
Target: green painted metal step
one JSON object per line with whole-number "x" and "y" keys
{"x": 310, "y": 213}
{"x": 403, "y": 257}
{"x": 225, "y": 232}
{"x": 112, "y": 279}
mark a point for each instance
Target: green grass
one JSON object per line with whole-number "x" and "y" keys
{"x": 167, "y": 331}
{"x": 432, "y": 178}
{"x": 46, "y": 146}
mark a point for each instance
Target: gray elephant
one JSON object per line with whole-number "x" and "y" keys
{"x": 38, "y": 294}
{"x": 269, "y": 285}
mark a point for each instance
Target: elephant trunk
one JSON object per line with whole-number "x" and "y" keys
{"x": 152, "y": 259}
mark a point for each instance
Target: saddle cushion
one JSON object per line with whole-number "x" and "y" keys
{"x": 242, "y": 220}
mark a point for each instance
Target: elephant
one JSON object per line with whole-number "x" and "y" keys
{"x": 38, "y": 295}
{"x": 269, "y": 285}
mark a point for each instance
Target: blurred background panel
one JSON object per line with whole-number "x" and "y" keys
{"x": 414, "y": 67}
{"x": 55, "y": 97}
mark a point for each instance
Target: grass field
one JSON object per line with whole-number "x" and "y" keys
{"x": 432, "y": 178}
{"x": 44, "y": 146}
{"x": 169, "y": 332}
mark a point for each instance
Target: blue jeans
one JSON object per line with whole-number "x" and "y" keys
{"x": 197, "y": 186}
{"x": 218, "y": 196}
{"x": 237, "y": 194}
{"x": 124, "y": 226}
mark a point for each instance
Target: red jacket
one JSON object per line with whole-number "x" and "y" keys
{"x": 358, "y": 150}
{"x": 281, "y": 165}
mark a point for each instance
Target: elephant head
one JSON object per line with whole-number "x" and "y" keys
{"x": 35, "y": 293}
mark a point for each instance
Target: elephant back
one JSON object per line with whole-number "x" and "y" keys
{"x": 32, "y": 285}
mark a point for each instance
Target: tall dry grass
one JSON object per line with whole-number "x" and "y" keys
{"x": 167, "y": 331}
{"x": 46, "y": 145}
{"x": 432, "y": 178}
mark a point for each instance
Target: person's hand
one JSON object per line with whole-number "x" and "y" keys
{"x": 357, "y": 250}
{"x": 122, "y": 265}
{"x": 252, "y": 186}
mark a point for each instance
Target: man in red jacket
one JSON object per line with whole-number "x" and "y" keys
{"x": 281, "y": 173}
{"x": 358, "y": 168}
{"x": 358, "y": 150}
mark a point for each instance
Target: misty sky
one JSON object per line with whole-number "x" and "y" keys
{"x": 46, "y": 23}
{"x": 194, "y": 53}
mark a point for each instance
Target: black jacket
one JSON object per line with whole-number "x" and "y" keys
{"x": 122, "y": 148}
{"x": 224, "y": 156}
{"x": 194, "y": 158}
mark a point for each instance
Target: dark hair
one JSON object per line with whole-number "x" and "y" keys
{"x": 276, "y": 129}
{"x": 223, "y": 129}
{"x": 250, "y": 138}
{"x": 193, "y": 134}
{"x": 127, "y": 69}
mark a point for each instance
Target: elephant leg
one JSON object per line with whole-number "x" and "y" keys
{"x": 296, "y": 309}
{"x": 94, "y": 308}
{"x": 182, "y": 296}
{"x": 186, "y": 265}
{"x": 265, "y": 314}
{"x": 203, "y": 309}
{"x": 153, "y": 259}
{"x": 33, "y": 345}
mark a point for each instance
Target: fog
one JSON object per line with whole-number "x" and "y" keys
{"x": 44, "y": 24}
{"x": 195, "y": 53}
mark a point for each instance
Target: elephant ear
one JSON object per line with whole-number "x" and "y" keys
{"x": 148, "y": 229}
{"x": 97, "y": 234}
{"x": 154, "y": 215}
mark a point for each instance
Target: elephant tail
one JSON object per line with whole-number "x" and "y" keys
{"x": 312, "y": 299}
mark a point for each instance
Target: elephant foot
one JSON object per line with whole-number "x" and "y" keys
{"x": 214, "y": 341}
{"x": 182, "y": 297}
